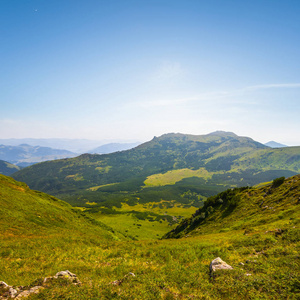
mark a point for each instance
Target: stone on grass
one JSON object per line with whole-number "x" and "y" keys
{"x": 27, "y": 293}
{"x": 10, "y": 292}
{"x": 219, "y": 264}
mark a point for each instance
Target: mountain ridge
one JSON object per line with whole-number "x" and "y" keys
{"x": 222, "y": 160}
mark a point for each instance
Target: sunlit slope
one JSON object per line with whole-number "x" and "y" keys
{"x": 204, "y": 165}
{"x": 7, "y": 168}
{"x": 24, "y": 212}
{"x": 272, "y": 206}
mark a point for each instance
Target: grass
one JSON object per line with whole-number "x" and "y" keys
{"x": 166, "y": 269}
{"x": 171, "y": 177}
{"x": 145, "y": 221}
{"x": 261, "y": 245}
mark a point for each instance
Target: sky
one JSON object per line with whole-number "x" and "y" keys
{"x": 135, "y": 69}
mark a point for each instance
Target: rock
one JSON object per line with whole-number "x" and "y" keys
{"x": 116, "y": 282}
{"x": 27, "y": 293}
{"x": 66, "y": 273}
{"x": 119, "y": 282}
{"x": 10, "y": 292}
{"x": 3, "y": 285}
{"x": 129, "y": 274}
{"x": 7, "y": 291}
{"x": 219, "y": 264}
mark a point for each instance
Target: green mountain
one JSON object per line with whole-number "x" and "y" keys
{"x": 178, "y": 167}
{"x": 7, "y": 168}
{"x": 24, "y": 212}
{"x": 273, "y": 205}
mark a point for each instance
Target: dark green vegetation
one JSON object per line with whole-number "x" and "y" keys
{"x": 258, "y": 227}
{"x": 7, "y": 168}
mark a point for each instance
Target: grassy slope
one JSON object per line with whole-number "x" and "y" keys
{"x": 174, "y": 268}
{"x": 245, "y": 208}
{"x": 24, "y": 212}
{"x": 7, "y": 169}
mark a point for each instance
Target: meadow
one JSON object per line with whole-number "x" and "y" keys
{"x": 265, "y": 266}
{"x": 263, "y": 250}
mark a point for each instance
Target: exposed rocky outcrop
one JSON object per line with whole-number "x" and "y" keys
{"x": 13, "y": 292}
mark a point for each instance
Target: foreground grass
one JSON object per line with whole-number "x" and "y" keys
{"x": 41, "y": 235}
{"x": 164, "y": 269}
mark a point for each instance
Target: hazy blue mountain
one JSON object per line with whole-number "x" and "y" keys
{"x": 273, "y": 144}
{"x": 24, "y": 154}
{"x": 113, "y": 147}
{"x": 7, "y": 168}
{"x": 74, "y": 145}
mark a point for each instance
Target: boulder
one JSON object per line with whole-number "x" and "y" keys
{"x": 219, "y": 264}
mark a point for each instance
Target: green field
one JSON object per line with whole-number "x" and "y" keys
{"x": 41, "y": 235}
{"x": 144, "y": 221}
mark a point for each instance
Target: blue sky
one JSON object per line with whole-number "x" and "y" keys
{"x": 136, "y": 69}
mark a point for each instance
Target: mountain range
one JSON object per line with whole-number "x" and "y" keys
{"x": 165, "y": 168}
{"x": 25, "y": 155}
{"x": 74, "y": 145}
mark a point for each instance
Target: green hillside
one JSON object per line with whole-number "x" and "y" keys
{"x": 41, "y": 235}
{"x": 7, "y": 168}
{"x": 24, "y": 212}
{"x": 245, "y": 208}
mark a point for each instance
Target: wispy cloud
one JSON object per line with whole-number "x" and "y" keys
{"x": 168, "y": 70}
{"x": 274, "y": 85}
{"x": 235, "y": 96}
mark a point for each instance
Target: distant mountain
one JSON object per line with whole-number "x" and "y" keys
{"x": 113, "y": 147}
{"x": 24, "y": 155}
{"x": 273, "y": 144}
{"x": 7, "y": 169}
{"x": 74, "y": 145}
{"x": 174, "y": 166}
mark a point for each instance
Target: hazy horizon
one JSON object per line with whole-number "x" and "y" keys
{"x": 132, "y": 70}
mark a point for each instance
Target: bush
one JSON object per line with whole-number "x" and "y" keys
{"x": 277, "y": 182}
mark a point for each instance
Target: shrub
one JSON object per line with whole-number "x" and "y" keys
{"x": 277, "y": 182}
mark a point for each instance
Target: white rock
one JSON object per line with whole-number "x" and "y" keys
{"x": 219, "y": 264}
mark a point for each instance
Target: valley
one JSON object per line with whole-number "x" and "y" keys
{"x": 41, "y": 235}
{"x": 159, "y": 182}
{"x": 146, "y": 223}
